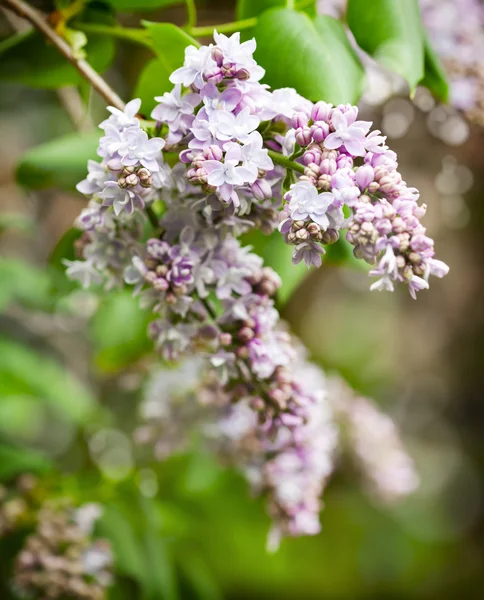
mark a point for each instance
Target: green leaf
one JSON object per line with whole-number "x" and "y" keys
{"x": 169, "y": 43}
{"x": 391, "y": 32}
{"x": 253, "y": 8}
{"x": 278, "y": 255}
{"x": 435, "y": 78}
{"x": 153, "y": 81}
{"x": 119, "y": 346}
{"x": 315, "y": 57}
{"x": 61, "y": 162}
{"x": 26, "y": 372}
{"x": 32, "y": 61}
{"x": 14, "y": 461}
{"x": 23, "y": 283}
{"x": 136, "y": 5}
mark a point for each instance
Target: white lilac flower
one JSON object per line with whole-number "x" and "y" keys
{"x": 197, "y": 60}
{"x": 306, "y": 203}
{"x": 95, "y": 180}
{"x": 123, "y": 118}
{"x": 239, "y": 55}
{"x": 349, "y": 134}
{"x": 238, "y": 127}
{"x": 137, "y": 148}
{"x": 120, "y": 199}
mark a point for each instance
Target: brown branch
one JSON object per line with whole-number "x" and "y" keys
{"x": 24, "y": 10}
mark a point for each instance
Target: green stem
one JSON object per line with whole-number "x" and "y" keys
{"x": 223, "y": 27}
{"x": 191, "y": 13}
{"x": 234, "y": 26}
{"x": 282, "y": 160}
{"x": 209, "y": 307}
{"x": 138, "y": 36}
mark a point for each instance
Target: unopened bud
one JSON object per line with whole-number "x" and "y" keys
{"x": 330, "y": 236}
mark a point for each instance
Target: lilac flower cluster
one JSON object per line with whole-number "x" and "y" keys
{"x": 374, "y": 443}
{"x": 347, "y": 167}
{"x": 240, "y": 147}
{"x": 61, "y": 560}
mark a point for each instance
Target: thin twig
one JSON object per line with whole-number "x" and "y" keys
{"x": 24, "y": 10}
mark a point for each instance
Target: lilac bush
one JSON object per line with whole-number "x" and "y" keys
{"x": 224, "y": 154}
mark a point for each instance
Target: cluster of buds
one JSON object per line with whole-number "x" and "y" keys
{"x": 130, "y": 177}
{"x": 60, "y": 560}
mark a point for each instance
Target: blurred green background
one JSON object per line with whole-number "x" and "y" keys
{"x": 73, "y": 365}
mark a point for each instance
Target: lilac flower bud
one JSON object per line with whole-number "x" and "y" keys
{"x": 160, "y": 284}
{"x": 132, "y": 180}
{"x": 364, "y": 176}
{"x": 242, "y": 74}
{"x": 303, "y": 136}
{"x": 313, "y": 155}
{"x": 320, "y": 131}
{"x": 330, "y": 236}
{"x": 145, "y": 177}
{"x": 261, "y": 189}
{"x": 214, "y": 75}
{"x": 225, "y": 339}
{"x": 300, "y": 120}
{"x": 218, "y": 55}
{"x": 213, "y": 153}
{"x": 321, "y": 111}
{"x": 245, "y": 335}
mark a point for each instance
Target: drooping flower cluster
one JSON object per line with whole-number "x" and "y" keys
{"x": 374, "y": 443}
{"x": 346, "y": 166}
{"x": 172, "y": 233}
{"x": 60, "y": 560}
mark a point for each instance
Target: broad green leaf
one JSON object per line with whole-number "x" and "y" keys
{"x": 119, "y": 346}
{"x": 32, "y": 61}
{"x": 15, "y": 461}
{"x": 253, "y": 8}
{"x": 21, "y": 282}
{"x": 61, "y": 162}
{"x": 391, "y": 32}
{"x": 169, "y": 43}
{"x": 435, "y": 78}
{"x": 26, "y": 372}
{"x": 315, "y": 57}
{"x": 135, "y": 5}
{"x": 153, "y": 81}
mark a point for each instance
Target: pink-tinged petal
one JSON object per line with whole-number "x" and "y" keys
{"x": 231, "y": 97}
{"x": 233, "y": 152}
{"x": 355, "y": 147}
{"x": 338, "y": 120}
{"x": 333, "y": 141}
{"x": 225, "y": 190}
{"x": 248, "y": 175}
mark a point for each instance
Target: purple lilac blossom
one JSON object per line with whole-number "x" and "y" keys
{"x": 211, "y": 297}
